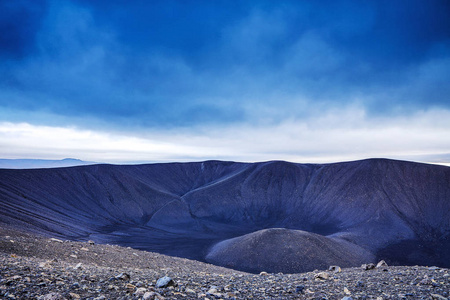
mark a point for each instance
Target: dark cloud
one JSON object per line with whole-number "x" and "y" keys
{"x": 19, "y": 23}
{"x": 177, "y": 63}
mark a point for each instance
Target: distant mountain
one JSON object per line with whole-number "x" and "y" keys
{"x": 41, "y": 163}
{"x": 271, "y": 216}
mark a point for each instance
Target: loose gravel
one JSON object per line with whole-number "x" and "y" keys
{"x": 36, "y": 267}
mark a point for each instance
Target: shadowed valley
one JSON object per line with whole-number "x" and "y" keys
{"x": 272, "y": 216}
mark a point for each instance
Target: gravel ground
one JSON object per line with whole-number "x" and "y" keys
{"x": 36, "y": 267}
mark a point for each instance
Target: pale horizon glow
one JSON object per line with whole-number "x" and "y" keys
{"x": 331, "y": 137}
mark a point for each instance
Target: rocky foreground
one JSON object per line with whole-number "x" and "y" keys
{"x": 35, "y": 267}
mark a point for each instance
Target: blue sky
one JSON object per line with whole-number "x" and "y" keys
{"x": 307, "y": 81}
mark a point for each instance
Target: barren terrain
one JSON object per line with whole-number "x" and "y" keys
{"x": 38, "y": 267}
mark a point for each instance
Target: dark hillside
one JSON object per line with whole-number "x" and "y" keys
{"x": 393, "y": 210}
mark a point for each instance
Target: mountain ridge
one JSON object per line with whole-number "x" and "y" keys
{"x": 184, "y": 209}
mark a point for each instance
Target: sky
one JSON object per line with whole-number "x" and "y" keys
{"x": 158, "y": 81}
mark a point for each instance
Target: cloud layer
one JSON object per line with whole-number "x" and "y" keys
{"x": 327, "y": 139}
{"x": 226, "y": 66}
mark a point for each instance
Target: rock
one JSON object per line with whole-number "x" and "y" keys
{"x": 130, "y": 287}
{"x": 140, "y": 291}
{"x": 56, "y": 240}
{"x": 164, "y": 282}
{"x": 91, "y": 242}
{"x": 382, "y": 264}
{"x": 347, "y": 291}
{"x": 78, "y": 266}
{"x": 152, "y": 296}
{"x": 190, "y": 291}
{"x": 347, "y": 298}
{"x": 366, "y": 267}
{"x": 438, "y": 297}
{"x": 299, "y": 288}
{"x": 336, "y": 269}
{"x": 123, "y": 276}
{"x": 139, "y": 284}
{"x": 102, "y": 297}
{"x": 263, "y": 273}
{"x": 74, "y": 296}
{"x": 322, "y": 275}
{"x": 52, "y": 296}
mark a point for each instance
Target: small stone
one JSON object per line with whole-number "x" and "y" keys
{"x": 346, "y": 291}
{"x": 382, "y": 264}
{"x": 347, "y": 298}
{"x": 73, "y": 256}
{"x": 359, "y": 283}
{"x": 140, "y": 291}
{"x": 123, "y": 276}
{"x": 78, "y": 266}
{"x": 426, "y": 281}
{"x": 322, "y": 276}
{"x": 56, "y": 240}
{"x": 368, "y": 266}
{"x": 164, "y": 282}
{"x": 263, "y": 273}
{"x": 139, "y": 284}
{"x": 299, "y": 288}
{"x": 130, "y": 287}
{"x": 335, "y": 269}
{"x": 438, "y": 297}
{"x": 84, "y": 249}
{"x": 91, "y": 242}
{"x": 190, "y": 291}
{"x": 53, "y": 296}
{"x": 76, "y": 285}
{"x": 152, "y": 296}
{"x": 102, "y": 297}
{"x": 149, "y": 296}
{"x": 74, "y": 296}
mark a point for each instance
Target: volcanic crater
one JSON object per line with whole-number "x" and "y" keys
{"x": 272, "y": 216}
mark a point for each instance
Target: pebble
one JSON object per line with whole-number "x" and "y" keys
{"x": 52, "y": 296}
{"x": 164, "y": 282}
{"x": 56, "y": 240}
{"x": 299, "y": 288}
{"x": 322, "y": 275}
{"x": 140, "y": 291}
{"x": 368, "y": 266}
{"x": 382, "y": 264}
{"x": 335, "y": 269}
{"x": 438, "y": 297}
{"x": 123, "y": 276}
